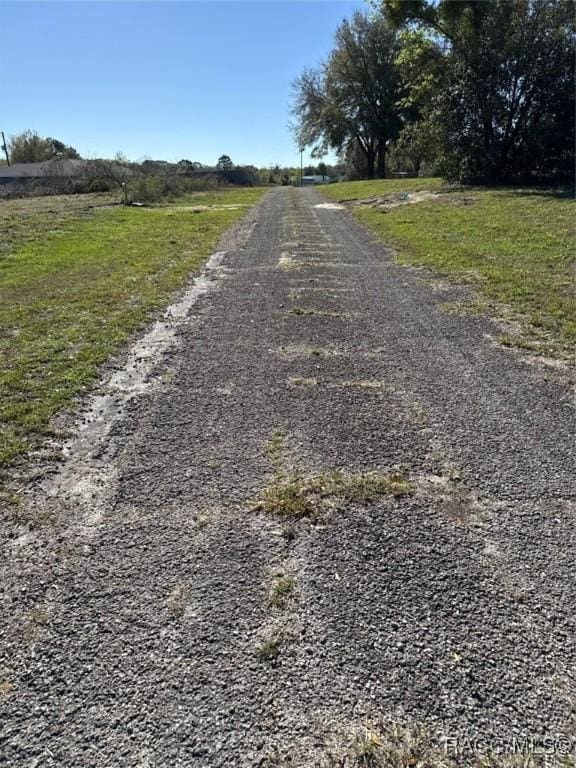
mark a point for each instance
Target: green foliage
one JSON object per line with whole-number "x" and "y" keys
{"x": 281, "y": 591}
{"x": 269, "y": 649}
{"x": 29, "y": 147}
{"x": 296, "y": 496}
{"x": 187, "y": 166}
{"x": 419, "y": 142}
{"x": 492, "y": 81}
{"x": 351, "y": 100}
{"x": 59, "y": 149}
{"x": 224, "y": 163}
{"x": 150, "y": 189}
{"x": 357, "y": 190}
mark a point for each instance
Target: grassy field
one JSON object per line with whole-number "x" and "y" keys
{"x": 77, "y": 277}
{"x": 515, "y": 245}
{"x": 354, "y": 190}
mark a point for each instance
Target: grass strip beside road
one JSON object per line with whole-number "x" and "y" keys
{"x": 516, "y": 246}
{"x": 77, "y": 278}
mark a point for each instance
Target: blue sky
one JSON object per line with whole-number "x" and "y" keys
{"x": 168, "y": 80}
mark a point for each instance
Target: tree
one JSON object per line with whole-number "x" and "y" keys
{"x": 29, "y": 147}
{"x": 224, "y": 163}
{"x": 353, "y": 97}
{"x": 419, "y": 143}
{"x": 187, "y": 166}
{"x": 61, "y": 150}
{"x": 105, "y": 175}
{"x": 504, "y": 101}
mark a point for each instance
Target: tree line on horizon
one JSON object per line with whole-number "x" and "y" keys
{"x": 472, "y": 90}
{"x": 29, "y": 147}
{"x": 145, "y": 181}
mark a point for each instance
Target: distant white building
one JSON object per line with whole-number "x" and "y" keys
{"x": 308, "y": 180}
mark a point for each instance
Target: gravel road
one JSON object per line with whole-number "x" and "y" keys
{"x": 137, "y": 622}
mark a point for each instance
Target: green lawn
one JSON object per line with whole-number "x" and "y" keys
{"x": 354, "y": 190}
{"x": 515, "y": 245}
{"x": 77, "y": 278}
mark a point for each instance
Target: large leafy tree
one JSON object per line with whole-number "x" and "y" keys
{"x": 502, "y": 90}
{"x": 352, "y": 99}
{"x": 29, "y": 147}
{"x": 421, "y": 68}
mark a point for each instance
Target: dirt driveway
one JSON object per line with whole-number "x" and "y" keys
{"x": 324, "y": 507}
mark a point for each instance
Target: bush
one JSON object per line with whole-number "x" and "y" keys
{"x": 147, "y": 189}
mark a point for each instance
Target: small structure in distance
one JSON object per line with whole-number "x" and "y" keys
{"x": 316, "y": 179}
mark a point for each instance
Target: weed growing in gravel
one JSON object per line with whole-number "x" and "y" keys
{"x": 291, "y": 498}
{"x": 39, "y": 615}
{"x": 367, "y": 746}
{"x": 282, "y": 590}
{"x": 288, "y": 263}
{"x": 299, "y": 381}
{"x": 392, "y": 745}
{"x": 368, "y": 486}
{"x": 363, "y": 384}
{"x": 5, "y": 687}
{"x": 269, "y": 649}
{"x": 420, "y": 415}
{"x": 295, "y": 496}
{"x": 177, "y": 600}
{"x": 306, "y": 497}
{"x": 310, "y": 312}
{"x": 34, "y": 517}
{"x": 274, "y": 449}
{"x": 302, "y": 311}
{"x": 38, "y": 618}
{"x": 398, "y": 746}
{"x": 389, "y": 744}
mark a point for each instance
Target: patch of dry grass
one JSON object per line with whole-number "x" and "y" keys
{"x": 389, "y": 743}
{"x": 177, "y": 600}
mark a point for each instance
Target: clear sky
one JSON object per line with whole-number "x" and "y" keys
{"x": 168, "y": 80}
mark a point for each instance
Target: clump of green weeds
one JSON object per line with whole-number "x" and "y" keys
{"x": 281, "y": 591}
{"x": 302, "y": 311}
{"x": 269, "y": 649}
{"x": 274, "y": 450}
{"x": 298, "y": 497}
{"x": 295, "y": 496}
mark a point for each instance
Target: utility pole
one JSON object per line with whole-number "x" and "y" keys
{"x": 301, "y": 167}
{"x": 4, "y": 148}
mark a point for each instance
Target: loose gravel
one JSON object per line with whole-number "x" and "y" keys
{"x": 136, "y": 622}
